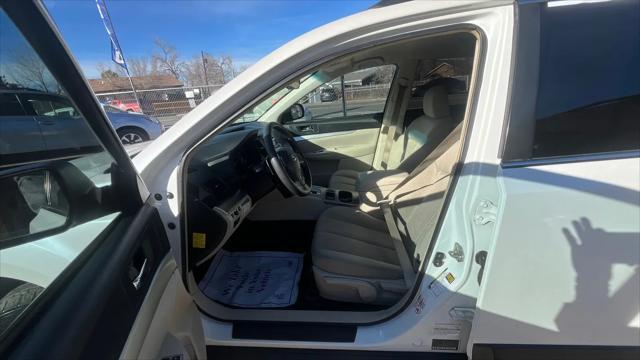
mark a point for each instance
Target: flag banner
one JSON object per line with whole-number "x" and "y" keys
{"x": 116, "y": 51}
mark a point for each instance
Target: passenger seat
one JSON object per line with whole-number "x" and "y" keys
{"x": 354, "y": 256}
{"x": 421, "y": 136}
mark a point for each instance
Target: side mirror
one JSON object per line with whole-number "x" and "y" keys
{"x": 296, "y": 111}
{"x": 43, "y": 200}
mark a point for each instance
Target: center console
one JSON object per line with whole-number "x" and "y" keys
{"x": 336, "y": 197}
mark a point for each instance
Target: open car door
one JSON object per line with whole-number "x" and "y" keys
{"x": 85, "y": 265}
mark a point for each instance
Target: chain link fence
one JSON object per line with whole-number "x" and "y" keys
{"x": 170, "y": 104}
{"x": 167, "y": 105}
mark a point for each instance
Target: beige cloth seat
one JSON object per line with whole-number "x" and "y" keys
{"x": 354, "y": 256}
{"x": 344, "y": 179}
{"x": 421, "y": 136}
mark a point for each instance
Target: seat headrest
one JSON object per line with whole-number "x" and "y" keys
{"x": 435, "y": 102}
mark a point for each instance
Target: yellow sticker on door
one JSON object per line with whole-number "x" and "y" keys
{"x": 450, "y": 278}
{"x": 199, "y": 240}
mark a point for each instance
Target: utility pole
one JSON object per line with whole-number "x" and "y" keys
{"x": 344, "y": 101}
{"x": 204, "y": 69}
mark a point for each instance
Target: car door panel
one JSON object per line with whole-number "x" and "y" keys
{"x": 97, "y": 301}
{"x": 167, "y": 314}
{"x": 21, "y": 138}
{"x": 61, "y": 131}
{"x": 343, "y": 143}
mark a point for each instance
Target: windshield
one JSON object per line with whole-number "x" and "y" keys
{"x": 256, "y": 112}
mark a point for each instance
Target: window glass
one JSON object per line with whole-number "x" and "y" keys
{"x": 588, "y": 97}
{"x": 44, "y": 157}
{"x": 262, "y": 107}
{"x": 41, "y": 107}
{"x": 365, "y": 92}
{"x": 257, "y": 111}
{"x": 452, "y": 73}
{"x": 9, "y": 105}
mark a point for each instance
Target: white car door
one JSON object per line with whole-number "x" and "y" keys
{"x": 562, "y": 276}
{"x": 86, "y": 269}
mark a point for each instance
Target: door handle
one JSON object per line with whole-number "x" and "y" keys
{"x": 138, "y": 275}
{"x": 46, "y": 122}
{"x": 306, "y": 129}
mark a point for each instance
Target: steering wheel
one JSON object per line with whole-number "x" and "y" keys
{"x": 286, "y": 160}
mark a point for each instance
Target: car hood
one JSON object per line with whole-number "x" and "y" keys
{"x": 126, "y": 117}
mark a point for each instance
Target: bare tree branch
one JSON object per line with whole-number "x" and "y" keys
{"x": 195, "y": 71}
{"x": 141, "y": 66}
{"x": 167, "y": 58}
{"x": 30, "y": 72}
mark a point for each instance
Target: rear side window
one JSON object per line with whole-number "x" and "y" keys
{"x": 10, "y": 106}
{"x": 587, "y": 99}
{"x": 44, "y": 106}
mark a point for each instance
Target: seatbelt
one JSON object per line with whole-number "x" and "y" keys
{"x": 385, "y": 205}
{"x": 403, "y": 257}
{"x": 435, "y": 154}
{"x": 395, "y": 122}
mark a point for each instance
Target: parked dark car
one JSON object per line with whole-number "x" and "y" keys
{"x": 329, "y": 94}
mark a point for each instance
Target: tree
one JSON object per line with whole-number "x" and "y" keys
{"x": 30, "y": 72}
{"x": 167, "y": 58}
{"x": 384, "y": 74}
{"x": 195, "y": 70}
{"x": 143, "y": 66}
{"x": 109, "y": 74}
{"x": 4, "y": 84}
{"x": 219, "y": 70}
{"x": 228, "y": 68}
{"x": 110, "y": 70}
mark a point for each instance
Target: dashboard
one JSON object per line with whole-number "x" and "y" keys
{"x": 226, "y": 176}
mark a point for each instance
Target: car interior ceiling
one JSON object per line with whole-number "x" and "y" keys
{"x": 348, "y": 261}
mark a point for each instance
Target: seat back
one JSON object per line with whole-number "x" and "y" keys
{"x": 418, "y": 200}
{"x": 424, "y": 133}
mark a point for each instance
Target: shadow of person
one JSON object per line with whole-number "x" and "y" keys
{"x": 604, "y": 301}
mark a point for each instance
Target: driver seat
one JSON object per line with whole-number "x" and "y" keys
{"x": 356, "y": 259}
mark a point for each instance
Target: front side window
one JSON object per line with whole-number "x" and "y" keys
{"x": 10, "y": 106}
{"x": 54, "y": 175}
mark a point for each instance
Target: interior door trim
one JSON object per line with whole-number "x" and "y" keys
{"x": 95, "y": 304}
{"x": 322, "y": 135}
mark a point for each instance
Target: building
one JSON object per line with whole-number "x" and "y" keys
{"x": 121, "y": 84}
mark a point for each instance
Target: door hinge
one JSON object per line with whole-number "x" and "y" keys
{"x": 485, "y": 213}
{"x": 462, "y": 313}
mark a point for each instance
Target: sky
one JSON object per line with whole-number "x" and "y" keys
{"x": 246, "y": 30}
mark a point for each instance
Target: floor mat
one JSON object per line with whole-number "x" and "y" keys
{"x": 256, "y": 279}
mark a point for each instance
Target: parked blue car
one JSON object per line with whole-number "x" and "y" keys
{"x": 24, "y": 113}
{"x": 133, "y": 127}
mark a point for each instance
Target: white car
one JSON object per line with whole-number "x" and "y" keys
{"x": 500, "y": 220}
